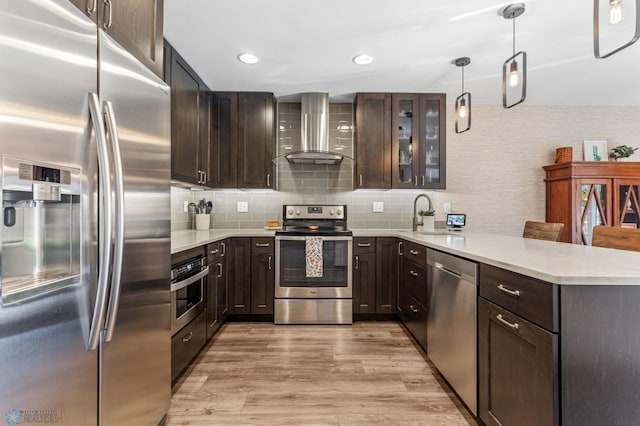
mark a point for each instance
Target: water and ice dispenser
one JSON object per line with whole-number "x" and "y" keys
{"x": 40, "y": 228}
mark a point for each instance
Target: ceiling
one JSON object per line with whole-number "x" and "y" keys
{"x": 308, "y": 46}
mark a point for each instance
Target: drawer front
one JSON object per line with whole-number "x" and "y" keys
{"x": 215, "y": 251}
{"x": 364, "y": 245}
{"x": 186, "y": 343}
{"x": 262, "y": 245}
{"x": 415, "y": 252}
{"x": 414, "y": 317}
{"x": 528, "y": 297}
{"x": 414, "y": 282}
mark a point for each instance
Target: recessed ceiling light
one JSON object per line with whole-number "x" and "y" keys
{"x": 362, "y": 59}
{"x": 248, "y": 58}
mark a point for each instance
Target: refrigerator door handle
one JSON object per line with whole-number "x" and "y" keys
{"x": 118, "y": 212}
{"x": 105, "y": 228}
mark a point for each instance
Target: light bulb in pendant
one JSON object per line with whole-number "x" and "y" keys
{"x": 615, "y": 11}
{"x": 514, "y": 77}
{"x": 462, "y": 110}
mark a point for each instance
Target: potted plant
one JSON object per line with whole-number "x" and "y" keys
{"x": 622, "y": 151}
{"x": 428, "y": 219}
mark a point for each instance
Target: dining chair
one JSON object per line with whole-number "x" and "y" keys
{"x": 616, "y": 238}
{"x": 543, "y": 230}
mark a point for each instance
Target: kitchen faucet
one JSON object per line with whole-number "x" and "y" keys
{"x": 415, "y": 213}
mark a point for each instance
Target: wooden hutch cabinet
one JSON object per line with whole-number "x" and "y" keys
{"x": 584, "y": 194}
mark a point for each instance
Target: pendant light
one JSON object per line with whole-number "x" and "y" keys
{"x": 463, "y": 102}
{"x": 615, "y": 17}
{"x": 516, "y": 76}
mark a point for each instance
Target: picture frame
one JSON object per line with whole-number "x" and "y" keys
{"x": 595, "y": 150}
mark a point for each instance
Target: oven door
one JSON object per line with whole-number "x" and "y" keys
{"x": 291, "y": 278}
{"x": 187, "y": 299}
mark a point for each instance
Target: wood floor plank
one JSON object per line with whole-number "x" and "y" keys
{"x": 370, "y": 373}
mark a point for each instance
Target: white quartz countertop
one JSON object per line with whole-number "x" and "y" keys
{"x": 558, "y": 263}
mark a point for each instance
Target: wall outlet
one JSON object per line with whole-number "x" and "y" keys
{"x": 378, "y": 206}
{"x": 185, "y": 207}
{"x": 447, "y": 208}
{"x": 243, "y": 206}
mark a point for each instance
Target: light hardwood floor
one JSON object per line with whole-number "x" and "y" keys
{"x": 366, "y": 374}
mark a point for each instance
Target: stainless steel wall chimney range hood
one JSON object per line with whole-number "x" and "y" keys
{"x": 314, "y": 132}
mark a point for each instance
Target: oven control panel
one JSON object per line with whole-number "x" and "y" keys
{"x": 315, "y": 212}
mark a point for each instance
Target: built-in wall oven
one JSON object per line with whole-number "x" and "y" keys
{"x": 188, "y": 280}
{"x": 313, "y": 266}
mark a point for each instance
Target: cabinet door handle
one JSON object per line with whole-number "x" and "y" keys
{"x": 263, "y": 244}
{"x": 188, "y": 337}
{"x": 224, "y": 249}
{"x": 515, "y": 325}
{"x": 92, "y": 9}
{"x": 414, "y": 309}
{"x": 400, "y": 253}
{"x": 107, "y": 3}
{"x": 422, "y": 180}
{"x": 219, "y": 270}
{"x": 214, "y": 251}
{"x": 269, "y": 263}
{"x": 204, "y": 178}
{"x": 414, "y": 252}
{"x": 360, "y": 181}
{"x": 414, "y": 273}
{"x": 357, "y": 262}
{"x": 364, "y": 244}
{"x": 268, "y": 180}
{"x": 415, "y": 180}
{"x": 514, "y": 293}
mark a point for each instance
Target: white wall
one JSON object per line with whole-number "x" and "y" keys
{"x": 494, "y": 171}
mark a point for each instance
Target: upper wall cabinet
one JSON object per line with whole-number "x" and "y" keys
{"x": 190, "y": 111}
{"x": 418, "y": 141}
{"x": 135, "y": 24}
{"x": 242, "y": 138}
{"x": 373, "y": 140}
{"x": 401, "y": 141}
{"x": 256, "y": 136}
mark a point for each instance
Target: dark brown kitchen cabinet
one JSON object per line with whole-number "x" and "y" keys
{"x": 517, "y": 349}
{"x": 256, "y": 136}
{"x": 186, "y": 343}
{"x": 517, "y": 369}
{"x": 418, "y": 141}
{"x": 239, "y": 275}
{"x": 375, "y": 275}
{"x": 364, "y": 275}
{"x": 216, "y": 292}
{"x": 413, "y": 299}
{"x": 262, "y": 275}
{"x": 386, "y": 274}
{"x": 135, "y": 24}
{"x": 190, "y": 111}
{"x": 373, "y": 141}
{"x": 223, "y": 156}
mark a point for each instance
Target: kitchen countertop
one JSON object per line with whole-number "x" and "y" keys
{"x": 558, "y": 263}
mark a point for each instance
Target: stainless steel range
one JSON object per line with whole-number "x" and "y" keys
{"x": 313, "y": 266}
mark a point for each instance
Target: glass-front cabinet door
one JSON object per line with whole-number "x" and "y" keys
{"x": 433, "y": 134}
{"x": 405, "y": 150}
{"x": 418, "y": 141}
{"x": 594, "y": 202}
{"x": 628, "y": 204}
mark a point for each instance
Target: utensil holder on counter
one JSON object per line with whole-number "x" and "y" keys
{"x": 202, "y": 221}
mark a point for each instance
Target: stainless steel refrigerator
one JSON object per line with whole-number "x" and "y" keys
{"x": 84, "y": 260}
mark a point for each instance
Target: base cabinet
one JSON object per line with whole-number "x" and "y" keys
{"x": 413, "y": 299}
{"x": 517, "y": 369}
{"x": 375, "y": 275}
{"x": 251, "y": 275}
{"x": 186, "y": 343}
{"x": 216, "y": 293}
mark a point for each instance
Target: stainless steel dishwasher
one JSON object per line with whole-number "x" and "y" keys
{"x": 451, "y": 323}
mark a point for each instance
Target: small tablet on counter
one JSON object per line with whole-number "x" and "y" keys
{"x": 456, "y": 221}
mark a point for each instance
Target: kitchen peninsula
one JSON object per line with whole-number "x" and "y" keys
{"x": 563, "y": 338}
